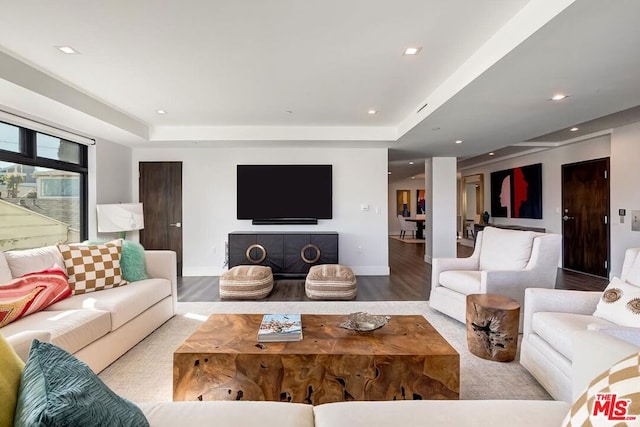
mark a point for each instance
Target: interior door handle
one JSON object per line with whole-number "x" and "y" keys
{"x": 176, "y": 224}
{"x": 567, "y": 218}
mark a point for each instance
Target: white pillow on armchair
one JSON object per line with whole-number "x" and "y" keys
{"x": 620, "y": 304}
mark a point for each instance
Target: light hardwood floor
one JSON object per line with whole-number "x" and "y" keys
{"x": 409, "y": 280}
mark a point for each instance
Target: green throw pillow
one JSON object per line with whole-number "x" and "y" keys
{"x": 132, "y": 261}
{"x": 56, "y": 389}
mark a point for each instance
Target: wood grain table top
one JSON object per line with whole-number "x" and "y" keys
{"x": 322, "y": 334}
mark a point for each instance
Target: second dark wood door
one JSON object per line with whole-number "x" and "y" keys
{"x": 585, "y": 217}
{"x": 161, "y": 195}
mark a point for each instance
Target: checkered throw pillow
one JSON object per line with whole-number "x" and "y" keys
{"x": 612, "y": 398}
{"x": 93, "y": 268}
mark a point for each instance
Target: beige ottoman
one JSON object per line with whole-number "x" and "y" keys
{"x": 330, "y": 281}
{"x": 246, "y": 282}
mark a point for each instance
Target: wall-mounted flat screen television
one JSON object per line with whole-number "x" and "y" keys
{"x": 284, "y": 193}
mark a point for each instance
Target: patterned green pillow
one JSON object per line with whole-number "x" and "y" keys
{"x": 56, "y": 389}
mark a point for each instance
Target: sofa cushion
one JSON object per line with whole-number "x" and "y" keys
{"x": 620, "y": 304}
{"x": 58, "y": 389}
{"x": 31, "y": 260}
{"x": 505, "y": 249}
{"x": 124, "y": 303}
{"x": 94, "y": 267}
{"x": 557, "y": 328}
{"x": 70, "y": 329}
{"x": 465, "y": 282}
{"x": 5, "y": 271}
{"x": 229, "y": 413}
{"x": 621, "y": 382}
{"x": 9, "y": 381}
{"x": 30, "y": 294}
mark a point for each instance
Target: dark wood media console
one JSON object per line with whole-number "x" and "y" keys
{"x": 288, "y": 254}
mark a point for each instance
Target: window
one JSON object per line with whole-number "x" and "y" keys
{"x": 43, "y": 187}
{"x": 54, "y": 148}
{"x": 9, "y": 137}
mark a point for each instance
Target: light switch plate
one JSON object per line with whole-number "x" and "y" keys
{"x": 635, "y": 220}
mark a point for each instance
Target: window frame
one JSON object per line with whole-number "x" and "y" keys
{"x": 28, "y": 155}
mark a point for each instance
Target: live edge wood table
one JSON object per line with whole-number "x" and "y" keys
{"x": 405, "y": 359}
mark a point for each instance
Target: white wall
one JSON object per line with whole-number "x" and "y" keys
{"x": 407, "y": 184}
{"x": 113, "y": 174}
{"x": 209, "y": 202}
{"x": 110, "y": 181}
{"x": 625, "y": 191}
{"x": 623, "y": 148}
{"x": 552, "y": 161}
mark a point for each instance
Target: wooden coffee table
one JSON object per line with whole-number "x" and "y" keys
{"x": 405, "y": 359}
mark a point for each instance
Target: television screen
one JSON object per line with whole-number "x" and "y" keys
{"x": 276, "y": 192}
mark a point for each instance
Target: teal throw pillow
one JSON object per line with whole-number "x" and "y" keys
{"x": 56, "y": 389}
{"x": 132, "y": 263}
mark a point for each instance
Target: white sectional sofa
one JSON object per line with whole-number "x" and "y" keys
{"x": 96, "y": 327}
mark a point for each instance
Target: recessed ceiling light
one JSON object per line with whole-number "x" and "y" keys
{"x": 372, "y": 111}
{"x": 410, "y": 163}
{"x": 66, "y": 49}
{"x": 413, "y": 177}
{"x": 558, "y": 97}
{"x": 573, "y": 129}
{"x": 492, "y": 154}
{"x": 412, "y": 51}
{"x": 458, "y": 141}
{"x": 161, "y": 112}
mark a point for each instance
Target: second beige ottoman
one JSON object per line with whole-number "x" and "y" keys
{"x": 330, "y": 281}
{"x": 246, "y": 282}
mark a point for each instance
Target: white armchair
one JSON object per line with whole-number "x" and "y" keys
{"x": 504, "y": 262}
{"x": 555, "y": 318}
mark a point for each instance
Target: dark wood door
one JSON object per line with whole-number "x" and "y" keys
{"x": 161, "y": 195}
{"x": 585, "y": 217}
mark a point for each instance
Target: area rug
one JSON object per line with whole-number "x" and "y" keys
{"x": 144, "y": 374}
{"x": 407, "y": 240}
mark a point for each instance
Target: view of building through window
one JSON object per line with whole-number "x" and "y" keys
{"x": 39, "y": 205}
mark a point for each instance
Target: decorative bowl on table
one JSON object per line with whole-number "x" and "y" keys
{"x": 364, "y": 322}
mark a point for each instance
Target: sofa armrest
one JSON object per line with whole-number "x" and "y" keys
{"x": 557, "y": 300}
{"x": 161, "y": 264}
{"x": 595, "y": 352}
{"x": 21, "y": 341}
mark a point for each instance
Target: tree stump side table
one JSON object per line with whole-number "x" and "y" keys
{"x": 492, "y": 326}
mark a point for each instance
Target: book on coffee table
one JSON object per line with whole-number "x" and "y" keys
{"x": 280, "y": 327}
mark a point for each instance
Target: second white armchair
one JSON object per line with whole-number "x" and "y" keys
{"x": 504, "y": 262}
